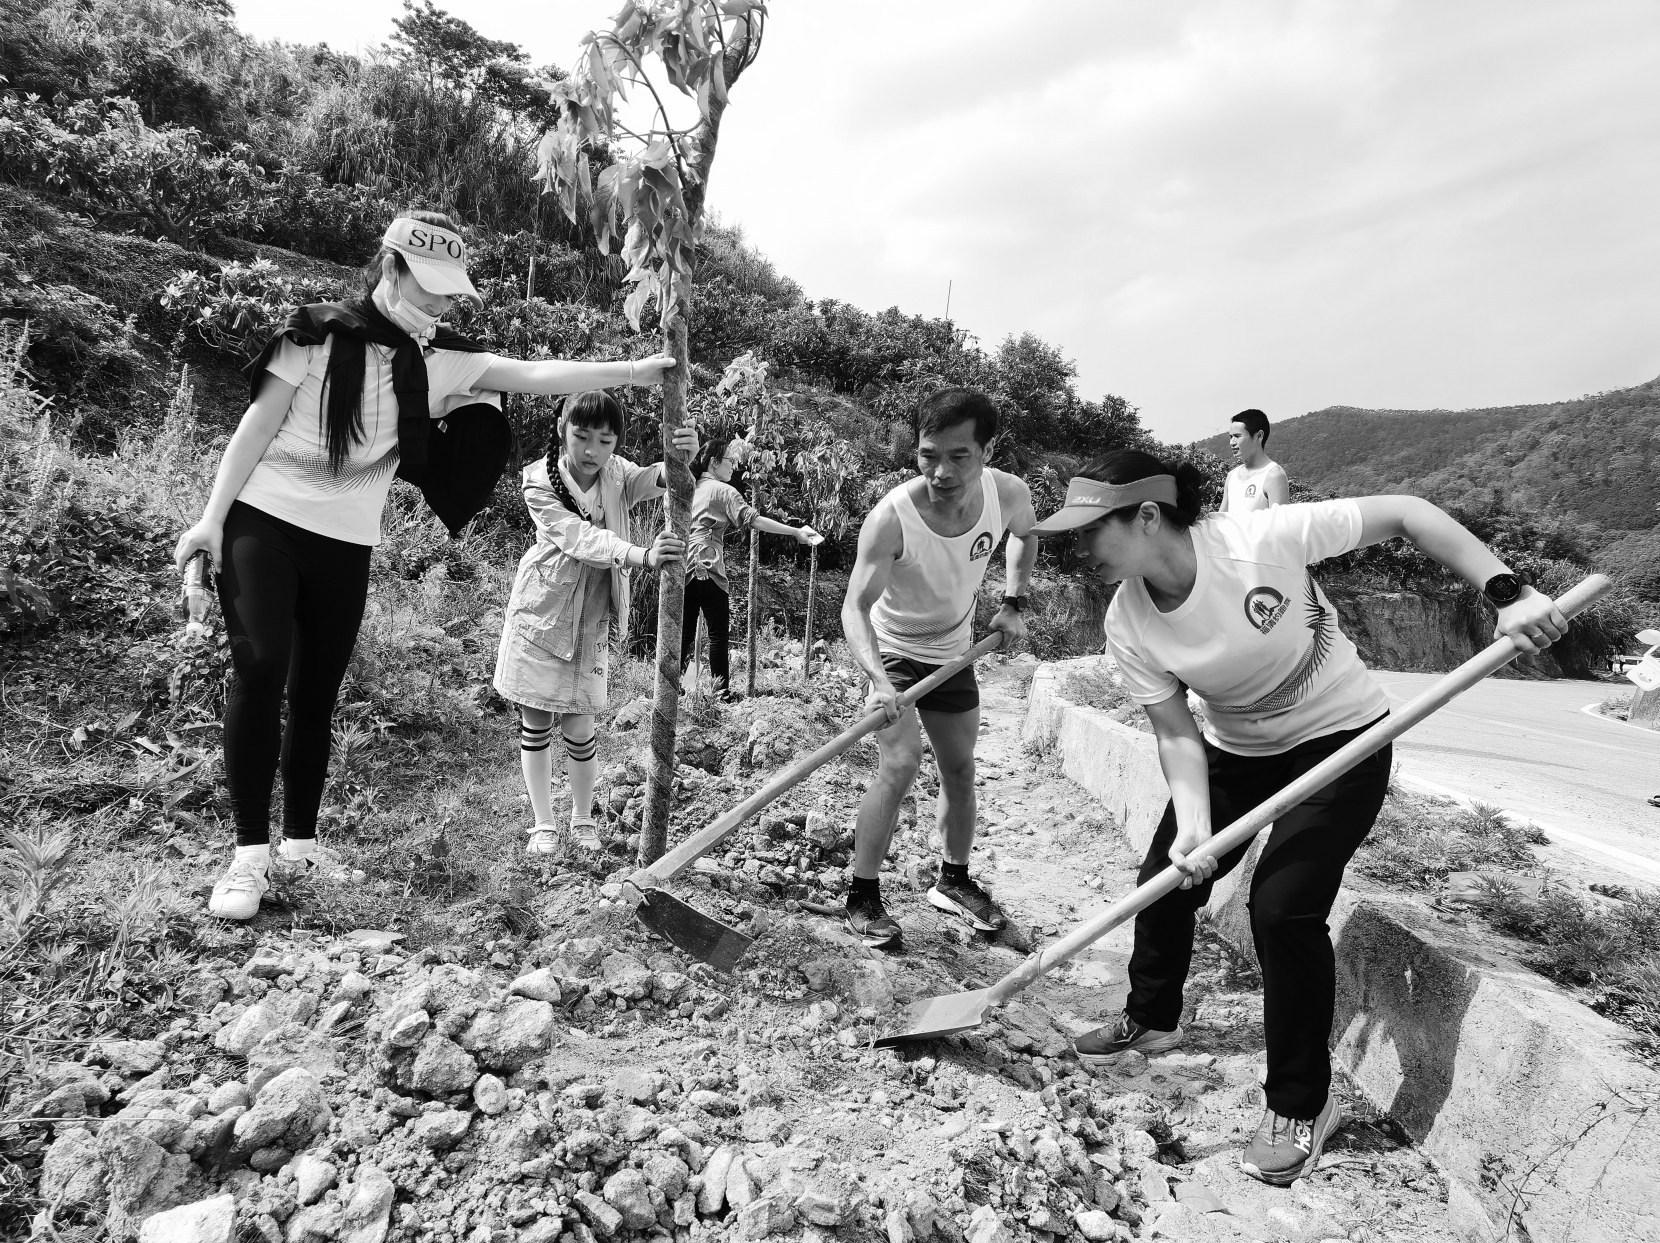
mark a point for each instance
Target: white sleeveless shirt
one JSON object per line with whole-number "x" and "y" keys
{"x": 926, "y": 612}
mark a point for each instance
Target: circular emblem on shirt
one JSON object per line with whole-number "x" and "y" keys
{"x": 981, "y": 546}
{"x": 1250, "y": 489}
{"x": 1263, "y": 608}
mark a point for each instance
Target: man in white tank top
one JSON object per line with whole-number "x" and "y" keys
{"x": 1258, "y": 481}
{"x": 923, "y": 553}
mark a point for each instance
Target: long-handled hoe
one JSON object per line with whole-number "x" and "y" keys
{"x": 689, "y": 928}
{"x": 959, "y": 1012}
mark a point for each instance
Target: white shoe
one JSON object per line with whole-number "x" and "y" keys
{"x": 586, "y": 832}
{"x": 239, "y": 890}
{"x": 544, "y": 840}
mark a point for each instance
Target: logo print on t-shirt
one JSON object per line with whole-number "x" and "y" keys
{"x": 1250, "y": 489}
{"x": 981, "y": 547}
{"x": 1264, "y": 607}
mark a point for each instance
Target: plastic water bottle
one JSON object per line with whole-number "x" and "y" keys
{"x": 196, "y": 596}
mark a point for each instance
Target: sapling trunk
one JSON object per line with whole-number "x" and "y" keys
{"x": 807, "y": 635}
{"x": 751, "y": 609}
{"x": 671, "y": 596}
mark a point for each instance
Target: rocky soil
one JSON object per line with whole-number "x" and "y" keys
{"x": 588, "y": 1083}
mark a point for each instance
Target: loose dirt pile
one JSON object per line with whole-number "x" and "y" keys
{"x": 591, "y": 1083}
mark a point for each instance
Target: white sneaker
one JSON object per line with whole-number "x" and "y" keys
{"x": 239, "y": 890}
{"x": 544, "y": 840}
{"x": 585, "y": 830}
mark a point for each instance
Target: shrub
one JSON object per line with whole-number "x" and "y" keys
{"x": 75, "y": 338}
{"x": 235, "y": 310}
{"x": 165, "y": 183}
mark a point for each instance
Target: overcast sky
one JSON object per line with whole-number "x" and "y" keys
{"x": 1207, "y": 205}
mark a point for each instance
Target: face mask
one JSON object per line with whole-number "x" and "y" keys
{"x": 412, "y": 319}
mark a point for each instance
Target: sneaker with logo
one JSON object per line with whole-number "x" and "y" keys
{"x": 963, "y": 897}
{"x": 1121, "y": 1037}
{"x": 239, "y": 890}
{"x": 868, "y": 918}
{"x": 1283, "y": 1148}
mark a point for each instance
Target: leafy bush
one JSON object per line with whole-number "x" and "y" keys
{"x": 235, "y": 310}
{"x": 75, "y": 338}
{"x": 167, "y": 183}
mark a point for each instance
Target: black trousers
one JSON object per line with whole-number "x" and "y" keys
{"x": 1292, "y": 891}
{"x": 707, "y": 595}
{"x": 293, "y": 601}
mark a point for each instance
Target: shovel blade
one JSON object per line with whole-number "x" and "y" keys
{"x": 933, "y": 1017}
{"x": 691, "y": 930}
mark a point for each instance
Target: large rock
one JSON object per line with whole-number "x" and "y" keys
{"x": 285, "y": 1047}
{"x": 985, "y": 1226}
{"x": 628, "y": 1192}
{"x": 443, "y": 1130}
{"x": 312, "y": 1177}
{"x": 368, "y": 1207}
{"x": 829, "y": 1198}
{"x": 767, "y": 1216}
{"x": 289, "y": 1112}
{"x": 206, "y": 1221}
{"x": 257, "y": 1022}
{"x": 133, "y": 1057}
{"x": 538, "y": 985}
{"x": 712, "y": 1198}
{"x": 317, "y": 1223}
{"x": 442, "y": 1067}
{"x": 626, "y": 977}
{"x": 512, "y": 1039}
{"x": 73, "y": 1171}
{"x": 144, "y": 1178}
{"x": 598, "y": 1214}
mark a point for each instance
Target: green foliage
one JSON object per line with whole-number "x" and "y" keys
{"x": 235, "y": 310}
{"x": 652, "y": 195}
{"x": 448, "y": 49}
{"x": 167, "y": 183}
{"x": 74, "y": 337}
{"x": 1633, "y": 561}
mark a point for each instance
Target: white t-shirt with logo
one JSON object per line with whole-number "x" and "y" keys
{"x": 1256, "y": 639}
{"x": 293, "y": 481}
{"x": 1246, "y": 490}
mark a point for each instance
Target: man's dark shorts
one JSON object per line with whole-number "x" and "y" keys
{"x": 959, "y": 693}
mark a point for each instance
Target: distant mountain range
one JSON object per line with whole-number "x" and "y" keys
{"x": 1594, "y": 457}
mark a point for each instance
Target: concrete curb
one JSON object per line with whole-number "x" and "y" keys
{"x": 1531, "y": 1105}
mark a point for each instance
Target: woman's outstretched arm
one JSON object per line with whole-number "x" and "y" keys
{"x": 550, "y": 377}
{"x": 1532, "y": 620}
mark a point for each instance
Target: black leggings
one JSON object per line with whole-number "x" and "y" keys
{"x": 293, "y": 601}
{"x": 708, "y": 595}
{"x": 1292, "y": 891}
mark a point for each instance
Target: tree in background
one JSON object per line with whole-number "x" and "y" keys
{"x": 824, "y": 465}
{"x": 654, "y": 195}
{"x": 448, "y": 49}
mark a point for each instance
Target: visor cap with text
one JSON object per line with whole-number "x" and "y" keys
{"x": 437, "y": 256}
{"x": 1089, "y": 499}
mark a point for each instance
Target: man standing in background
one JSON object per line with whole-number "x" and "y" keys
{"x": 1258, "y": 481}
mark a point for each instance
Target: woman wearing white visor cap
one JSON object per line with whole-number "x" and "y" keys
{"x": 344, "y": 396}
{"x": 1224, "y": 604}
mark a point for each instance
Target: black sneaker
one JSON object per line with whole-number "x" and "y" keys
{"x": 967, "y": 899}
{"x": 1283, "y": 1148}
{"x": 1121, "y": 1037}
{"x": 867, "y": 918}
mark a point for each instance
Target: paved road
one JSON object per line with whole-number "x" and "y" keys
{"x": 1527, "y": 746}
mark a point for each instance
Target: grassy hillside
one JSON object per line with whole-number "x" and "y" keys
{"x": 1593, "y": 458}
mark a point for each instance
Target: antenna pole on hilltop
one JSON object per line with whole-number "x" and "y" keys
{"x": 948, "y": 301}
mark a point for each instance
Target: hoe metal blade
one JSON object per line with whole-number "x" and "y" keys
{"x": 938, "y": 1016}
{"x": 691, "y": 930}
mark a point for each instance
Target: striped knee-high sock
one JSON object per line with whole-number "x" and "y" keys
{"x": 582, "y": 769}
{"x": 537, "y": 762}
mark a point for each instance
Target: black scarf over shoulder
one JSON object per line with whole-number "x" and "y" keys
{"x": 353, "y": 324}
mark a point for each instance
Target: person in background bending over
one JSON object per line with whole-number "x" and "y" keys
{"x": 1258, "y": 481}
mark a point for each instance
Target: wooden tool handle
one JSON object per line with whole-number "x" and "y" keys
{"x": 1494, "y": 657}
{"x": 699, "y": 844}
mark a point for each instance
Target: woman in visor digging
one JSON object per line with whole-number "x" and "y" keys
{"x": 1225, "y": 605}
{"x": 344, "y": 395}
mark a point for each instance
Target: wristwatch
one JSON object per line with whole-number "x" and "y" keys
{"x": 1017, "y": 603}
{"x": 1502, "y": 589}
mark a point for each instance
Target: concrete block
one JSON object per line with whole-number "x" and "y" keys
{"x": 1526, "y": 1100}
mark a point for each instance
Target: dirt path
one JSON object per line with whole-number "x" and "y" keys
{"x": 577, "y": 1081}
